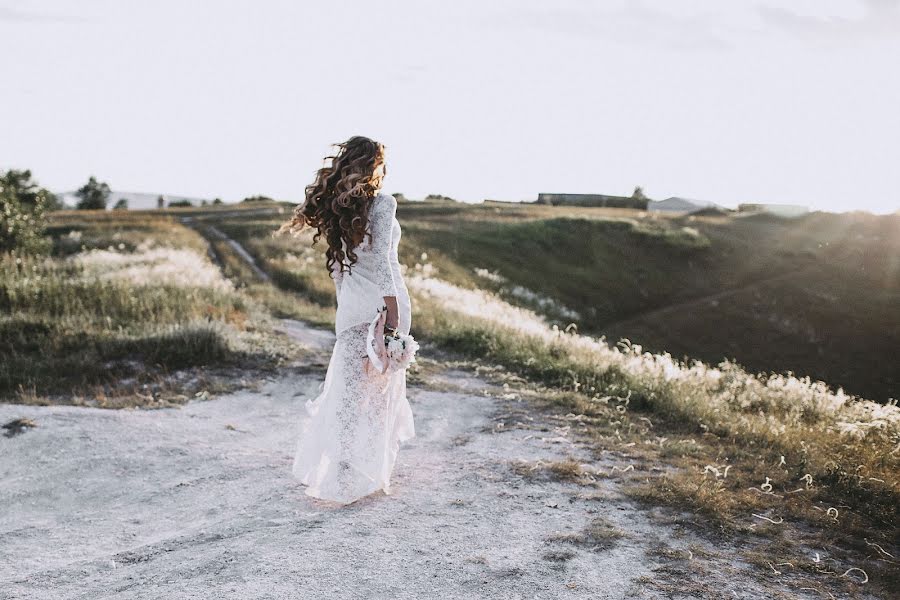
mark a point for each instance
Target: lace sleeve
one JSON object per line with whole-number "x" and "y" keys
{"x": 338, "y": 278}
{"x": 382, "y": 224}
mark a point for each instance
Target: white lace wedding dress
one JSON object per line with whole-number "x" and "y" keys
{"x": 351, "y": 432}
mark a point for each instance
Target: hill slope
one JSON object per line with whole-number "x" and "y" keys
{"x": 816, "y": 296}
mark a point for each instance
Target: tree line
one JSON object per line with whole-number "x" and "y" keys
{"x": 24, "y": 205}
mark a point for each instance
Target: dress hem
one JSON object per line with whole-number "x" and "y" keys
{"x": 385, "y": 487}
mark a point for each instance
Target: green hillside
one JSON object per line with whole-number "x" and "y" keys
{"x": 817, "y": 296}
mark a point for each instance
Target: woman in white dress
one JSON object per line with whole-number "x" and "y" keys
{"x": 351, "y": 432}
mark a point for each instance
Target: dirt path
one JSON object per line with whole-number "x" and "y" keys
{"x": 211, "y": 231}
{"x": 199, "y": 502}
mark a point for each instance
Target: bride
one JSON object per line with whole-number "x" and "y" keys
{"x": 352, "y": 431}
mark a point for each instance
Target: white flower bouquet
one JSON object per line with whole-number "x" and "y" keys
{"x": 401, "y": 350}
{"x": 393, "y": 351}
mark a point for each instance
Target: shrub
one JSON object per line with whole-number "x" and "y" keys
{"x": 22, "y": 208}
{"x": 93, "y": 195}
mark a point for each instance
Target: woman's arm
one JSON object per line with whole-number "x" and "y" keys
{"x": 382, "y": 216}
{"x": 393, "y": 313}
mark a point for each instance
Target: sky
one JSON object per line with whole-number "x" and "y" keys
{"x": 740, "y": 101}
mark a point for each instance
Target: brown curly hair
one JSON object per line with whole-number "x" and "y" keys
{"x": 337, "y": 202}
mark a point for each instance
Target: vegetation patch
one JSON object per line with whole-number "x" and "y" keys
{"x": 747, "y": 454}
{"x": 135, "y": 311}
{"x": 563, "y": 470}
{"x": 599, "y": 535}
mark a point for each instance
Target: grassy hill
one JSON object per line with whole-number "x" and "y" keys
{"x": 154, "y": 308}
{"x": 817, "y": 295}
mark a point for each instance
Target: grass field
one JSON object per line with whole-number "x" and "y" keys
{"x": 125, "y": 300}
{"x": 129, "y": 299}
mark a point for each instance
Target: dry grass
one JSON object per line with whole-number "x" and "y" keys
{"x": 599, "y": 535}
{"x": 558, "y": 556}
{"x": 300, "y": 290}
{"x": 568, "y": 470}
{"x": 819, "y": 462}
{"x": 137, "y": 301}
{"x": 80, "y": 231}
{"x": 791, "y": 525}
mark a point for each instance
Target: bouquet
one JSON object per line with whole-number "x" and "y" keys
{"x": 391, "y": 351}
{"x": 401, "y": 349}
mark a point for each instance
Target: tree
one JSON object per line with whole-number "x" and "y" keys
{"x": 28, "y": 191}
{"x": 257, "y": 199}
{"x": 399, "y": 197}
{"x": 93, "y": 195}
{"x": 638, "y": 193}
{"x": 122, "y": 204}
{"x": 22, "y": 207}
{"x": 160, "y": 202}
{"x": 54, "y": 202}
{"x": 217, "y": 201}
{"x": 179, "y": 203}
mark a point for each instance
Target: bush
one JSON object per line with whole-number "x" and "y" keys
{"x": 22, "y": 208}
{"x": 93, "y": 195}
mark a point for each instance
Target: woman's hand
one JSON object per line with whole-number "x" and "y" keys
{"x": 393, "y": 313}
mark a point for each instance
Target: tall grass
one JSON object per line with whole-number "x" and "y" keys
{"x": 302, "y": 289}
{"x": 791, "y": 445}
{"x": 74, "y": 322}
{"x": 124, "y": 296}
{"x": 79, "y": 231}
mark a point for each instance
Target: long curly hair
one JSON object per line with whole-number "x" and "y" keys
{"x": 337, "y": 202}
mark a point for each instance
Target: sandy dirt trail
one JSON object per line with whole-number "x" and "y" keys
{"x": 199, "y": 502}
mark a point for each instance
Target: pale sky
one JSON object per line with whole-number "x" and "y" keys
{"x": 737, "y": 101}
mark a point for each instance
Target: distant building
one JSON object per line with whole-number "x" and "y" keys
{"x": 782, "y": 210}
{"x": 592, "y": 200}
